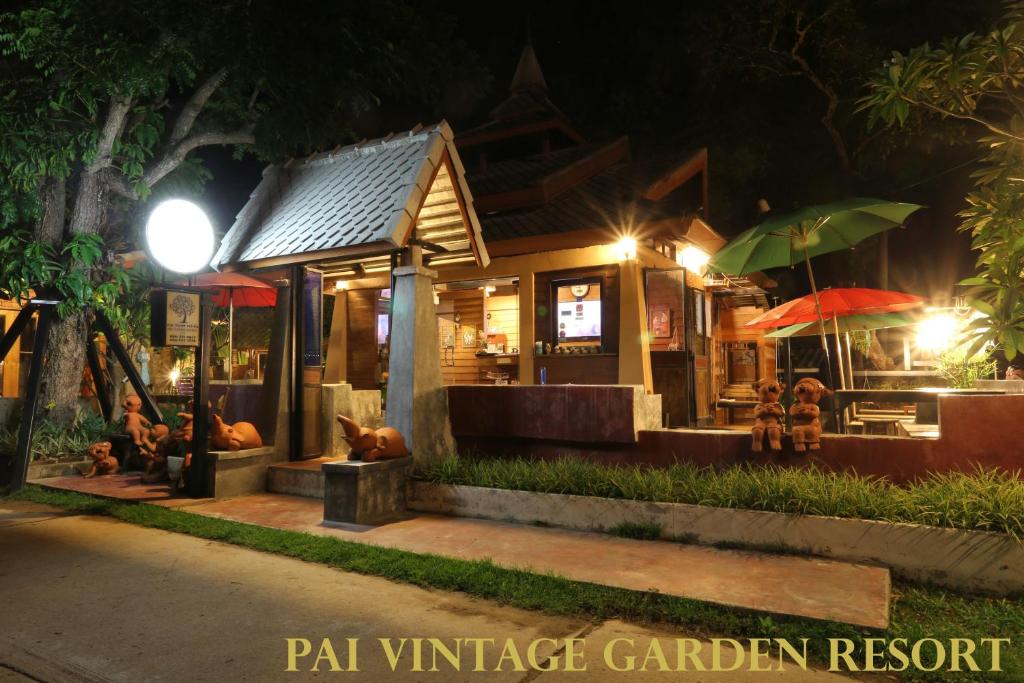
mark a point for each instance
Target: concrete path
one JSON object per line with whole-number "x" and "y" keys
{"x": 94, "y": 599}
{"x": 802, "y": 586}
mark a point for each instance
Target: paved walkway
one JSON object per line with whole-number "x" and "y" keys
{"x": 93, "y": 599}
{"x": 801, "y": 586}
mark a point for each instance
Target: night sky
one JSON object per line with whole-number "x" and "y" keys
{"x": 665, "y": 74}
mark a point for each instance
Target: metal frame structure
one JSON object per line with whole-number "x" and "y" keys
{"x": 14, "y": 470}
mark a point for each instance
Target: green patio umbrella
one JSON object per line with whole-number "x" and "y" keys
{"x": 786, "y": 239}
{"x": 849, "y": 323}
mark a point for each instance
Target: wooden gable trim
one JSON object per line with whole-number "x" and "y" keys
{"x": 575, "y": 173}
{"x": 471, "y": 139}
{"x": 555, "y": 183}
{"x": 697, "y": 163}
{"x": 461, "y": 201}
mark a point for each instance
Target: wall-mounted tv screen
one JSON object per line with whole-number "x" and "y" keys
{"x": 578, "y": 313}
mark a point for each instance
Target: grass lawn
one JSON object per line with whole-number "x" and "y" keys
{"x": 984, "y": 500}
{"x": 917, "y": 612}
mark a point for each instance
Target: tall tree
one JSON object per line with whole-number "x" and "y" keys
{"x": 102, "y": 103}
{"x": 977, "y": 79}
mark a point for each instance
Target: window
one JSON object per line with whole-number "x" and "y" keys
{"x": 578, "y": 311}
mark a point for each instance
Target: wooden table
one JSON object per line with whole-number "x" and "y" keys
{"x": 844, "y": 397}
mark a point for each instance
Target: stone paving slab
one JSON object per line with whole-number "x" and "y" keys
{"x": 801, "y": 586}
{"x": 117, "y": 602}
{"x": 124, "y": 486}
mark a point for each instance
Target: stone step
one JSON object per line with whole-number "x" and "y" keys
{"x": 301, "y": 478}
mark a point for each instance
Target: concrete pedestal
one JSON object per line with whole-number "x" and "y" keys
{"x": 360, "y": 492}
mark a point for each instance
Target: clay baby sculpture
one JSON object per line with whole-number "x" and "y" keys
{"x": 805, "y": 413}
{"x": 369, "y": 444}
{"x": 768, "y": 415}
{"x": 102, "y": 461}
{"x": 239, "y": 436}
{"x": 137, "y": 426}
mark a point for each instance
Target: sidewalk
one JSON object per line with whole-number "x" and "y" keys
{"x": 93, "y": 599}
{"x": 801, "y": 586}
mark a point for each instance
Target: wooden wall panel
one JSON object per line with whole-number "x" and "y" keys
{"x": 666, "y": 289}
{"x": 461, "y": 366}
{"x": 362, "y": 338}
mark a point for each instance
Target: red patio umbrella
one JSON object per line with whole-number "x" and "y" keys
{"x": 836, "y": 303}
{"x": 234, "y": 289}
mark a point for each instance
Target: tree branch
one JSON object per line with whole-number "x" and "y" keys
{"x": 176, "y": 155}
{"x": 194, "y": 106}
{"x": 112, "y": 128}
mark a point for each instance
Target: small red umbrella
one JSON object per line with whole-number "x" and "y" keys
{"x": 836, "y": 303}
{"x": 234, "y": 289}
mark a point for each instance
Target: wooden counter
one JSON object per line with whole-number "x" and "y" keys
{"x": 582, "y": 368}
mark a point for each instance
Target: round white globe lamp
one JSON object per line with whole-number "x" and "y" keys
{"x": 179, "y": 236}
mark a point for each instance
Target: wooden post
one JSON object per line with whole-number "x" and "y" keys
{"x": 18, "y": 469}
{"x": 198, "y": 476}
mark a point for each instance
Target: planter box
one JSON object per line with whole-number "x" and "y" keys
{"x": 973, "y": 561}
{"x": 45, "y": 470}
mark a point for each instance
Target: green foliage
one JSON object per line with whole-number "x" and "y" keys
{"x": 976, "y": 79}
{"x": 983, "y": 500}
{"x": 52, "y": 441}
{"x": 917, "y": 612}
{"x": 122, "y": 94}
{"x": 960, "y": 371}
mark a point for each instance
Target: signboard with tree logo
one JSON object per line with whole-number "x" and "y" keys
{"x": 174, "y": 318}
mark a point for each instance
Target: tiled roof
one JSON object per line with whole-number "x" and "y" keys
{"x": 514, "y": 174}
{"x": 363, "y": 194}
{"x": 606, "y": 200}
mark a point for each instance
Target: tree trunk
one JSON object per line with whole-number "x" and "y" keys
{"x": 62, "y": 374}
{"x": 64, "y": 357}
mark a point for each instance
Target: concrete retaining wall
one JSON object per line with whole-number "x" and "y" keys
{"x": 974, "y": 430}
{"x": 965, "y": 560}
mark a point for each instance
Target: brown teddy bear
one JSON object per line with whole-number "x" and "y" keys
{"x": 768, "y": 415}
{"x": 102, "y": 461}
{"x": 370, "y": 445}
{"x": 239, "y": 436}
{"x": 805, "y": 413}
{"x": 137, "y": 426}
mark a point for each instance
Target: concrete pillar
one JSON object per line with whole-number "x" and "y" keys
{"x": 634, "y": 339}
{"x": 527, "y": 336}
{"x": 417, "y": 404}
{"x": 336, "y": 371}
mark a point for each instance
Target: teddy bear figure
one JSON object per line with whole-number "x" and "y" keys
{"x": 137, "y": 426}
{"x": 369, "y": 444}
{"x": 102, "y": 461}
{"x": 768, "y": 415}
{"x": 805, "y": 414}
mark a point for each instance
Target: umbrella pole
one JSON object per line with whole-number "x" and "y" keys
{"x": 839, "y": 353}
{"x": 849, "y": 361}
{"x": 821, "y": 318}
{"x": 821, "y": 333}
{"x": 231, "y": 328}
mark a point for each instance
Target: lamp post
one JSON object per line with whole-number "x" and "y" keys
{"x": 180, "y": 238}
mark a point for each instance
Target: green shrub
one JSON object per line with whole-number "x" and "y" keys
{"x": 987, "y": 500}
{"x": 54, "y": 441}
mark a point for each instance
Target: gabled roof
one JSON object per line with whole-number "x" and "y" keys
{"x": 360, "y": 199}
{"x": 619, "y": 193}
